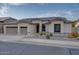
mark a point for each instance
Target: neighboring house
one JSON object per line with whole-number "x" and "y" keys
{"x": 4, "y": 20}
{"x": 77, "y": 25}
{"x": 56, "y": 25}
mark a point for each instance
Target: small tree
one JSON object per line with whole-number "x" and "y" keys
{"x": 74, "y": 23}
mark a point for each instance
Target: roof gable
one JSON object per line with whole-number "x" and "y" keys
{"x": 7, "y": 19}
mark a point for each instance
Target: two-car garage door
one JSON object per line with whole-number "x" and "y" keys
{"x": 14, "y": 30}
{"x": 11, "y": 30}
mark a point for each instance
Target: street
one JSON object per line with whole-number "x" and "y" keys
{"x": 9, "y": 48}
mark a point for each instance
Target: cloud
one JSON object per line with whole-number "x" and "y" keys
{"x": 15, "y": 4}
{"x": 18, "y": 4}
{"x": 41, "y": 3}
{"x": 4, "y": 9}
{"x": 69, "y": 13}
{"x": 58, "y": 13}
{"x": 48, "y": 15}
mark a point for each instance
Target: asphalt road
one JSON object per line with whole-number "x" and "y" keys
{"x": 9, "y": 48}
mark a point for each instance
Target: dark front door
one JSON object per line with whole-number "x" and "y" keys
{"x": 43, "y": 27}
{"x": 57, "y": 27}
{"x": 37, "y": 28}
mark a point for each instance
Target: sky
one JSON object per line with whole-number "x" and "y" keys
{"x": 32, "y": 10}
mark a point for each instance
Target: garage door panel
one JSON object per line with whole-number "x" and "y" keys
{"x": 23, "y": 30}
{"x": 11, "y": 30}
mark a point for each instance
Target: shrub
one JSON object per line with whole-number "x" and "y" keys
{"x": 47, "y": 34}
{"x": 73, "y": 35}
{"x": 51, "y": 34}
{"x": 41, "y": 33}
{"x": 44, "y": 33}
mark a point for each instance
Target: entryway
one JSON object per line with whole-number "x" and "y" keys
{"x": 43, "y": 28}
{"x": 37, "y": 28}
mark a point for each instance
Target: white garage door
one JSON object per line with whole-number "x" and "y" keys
{"x": 11, "y": 30}
{"x": 23, "y": 30}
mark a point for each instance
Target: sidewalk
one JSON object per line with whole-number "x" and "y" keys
{"x": 57, "y": 43}
{"x": 36, "y": 41}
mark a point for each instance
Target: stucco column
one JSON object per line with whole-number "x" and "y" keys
{"x": 28, "y": 28}
{"x": 40, "y": 27}
{"x": 18, "y": 30}
{"x": 49, "y": 28}
{"x": 4, "y": 29}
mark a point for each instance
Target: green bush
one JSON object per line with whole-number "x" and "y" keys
{"x": 51, "y": 34}
{"x": 47, "y": 34}
{"x": 43, "y": 33}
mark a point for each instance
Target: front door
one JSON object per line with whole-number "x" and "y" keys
{"x": 37, "y": 28}
{"x": 57, "y": 27}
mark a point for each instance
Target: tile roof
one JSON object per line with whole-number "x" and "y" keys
{"x": 28, "y": 20}
{"x": 5, "y": 18}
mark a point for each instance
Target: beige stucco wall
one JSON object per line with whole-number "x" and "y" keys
{"x": 30, "y": 28}
{"x": 25, "y": 25}
{"x": 47, "y": 27}
{"x": 65, "y": 28}
{"x": 51, "y": 26}
{"x": 1, "y": 28}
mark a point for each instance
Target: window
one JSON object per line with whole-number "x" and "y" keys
{"x": 57, "y": 27}
{"x": 43, "y": 28}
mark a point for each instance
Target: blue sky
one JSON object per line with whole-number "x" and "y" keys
{"x": 27, "y": 10}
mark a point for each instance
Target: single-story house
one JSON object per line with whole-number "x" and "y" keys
{"x": 4, "y": 20}
{"x": 56, "y": 25}
{"x": 77, "y": 26}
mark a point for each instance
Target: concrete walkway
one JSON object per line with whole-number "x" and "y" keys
{"x": 56, "y": 43}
